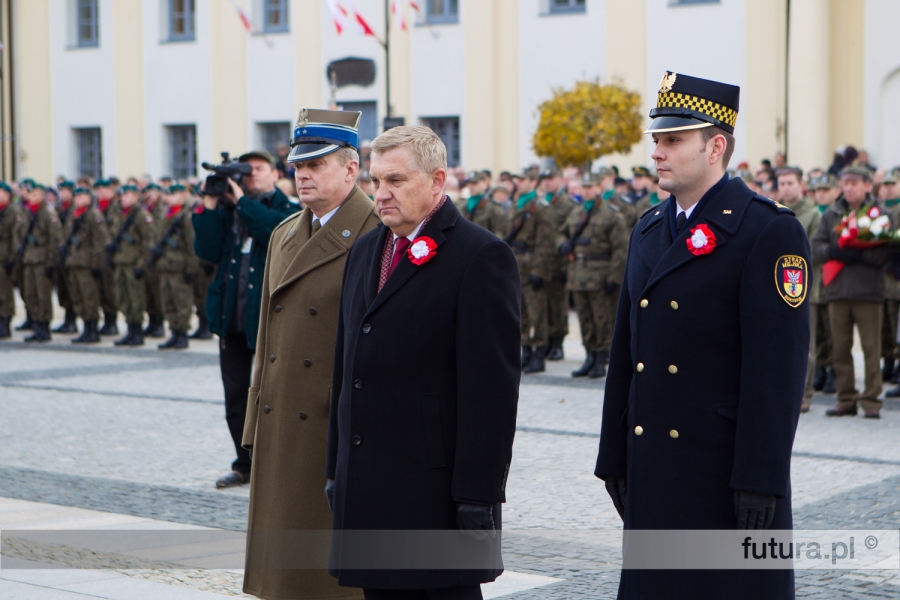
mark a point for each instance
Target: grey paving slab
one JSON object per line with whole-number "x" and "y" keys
{"x": 13, "y": 590}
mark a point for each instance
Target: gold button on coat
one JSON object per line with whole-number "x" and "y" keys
{"x": 645, "y": 303}
{"x": 640, "y": 367}
{"x": 674, "y": 434}
{"x": 673, "y": 369}
{"x": 674, "y": 305}
{"x": 638, "y": 430}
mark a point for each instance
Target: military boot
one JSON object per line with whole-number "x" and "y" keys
{"x": 109, "y": 324}
{"x": 41, "y": 332}
{"x": 589, "y": 361}
{"x": 202, "y": 332}
{"x": 603, "y": 356}
{"x": 28, "y": 325}
{"x": 536, "y": 365}
{"x": 819, "y": 379}
{"x": 155, "y": 328}
{"x": 598, "y": 370}
{"x": 181, "y": 342}
{"x": 556, "y": 349}
{"x": 137, "y": 335}
{"x": 830, "y": 383}
{"x": 126, "y": 339}
{"x": 69, "y": 325}
{"x": 888, "y": 370}
{"x": 526, "y": 356}
{"x": 89, "y": 335}
{"x": 4, "y": 328}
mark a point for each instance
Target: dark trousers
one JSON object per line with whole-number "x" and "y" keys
{"x": 468, "y": 592}
{"x": 236, "y": 362}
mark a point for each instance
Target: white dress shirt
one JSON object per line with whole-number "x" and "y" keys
{"x": 324, "y": 218}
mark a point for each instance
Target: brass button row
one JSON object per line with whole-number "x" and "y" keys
{"x": 645, "y": 303}
{"x": 672, "y": 368}
{"x": 640, "y": 431}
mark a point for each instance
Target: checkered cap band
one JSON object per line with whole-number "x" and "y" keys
{"x": 707, "y": 107}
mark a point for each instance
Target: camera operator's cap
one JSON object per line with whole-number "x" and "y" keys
{"x": 853, "y": 172}
{"x": 686, "y": 102}
{"x": 102, "y": 183}
{"x": 176, "y": 187}
{"x": 641, "y": 172}
{"x": 321, "y": 132}
{"x": 260, "y": 154}
{"x": 82, "y": 190}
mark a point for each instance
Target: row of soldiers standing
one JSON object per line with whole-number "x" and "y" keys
{"x": 125, "y": 250}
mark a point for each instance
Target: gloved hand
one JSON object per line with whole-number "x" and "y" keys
{"x": 157, "y": 252}
{"x": 616, "y": 488}
{"x": 189, "y": 278}
{"x": 565, "y": 248}
{"x": 753, "y": 510}
{"x": 138, "y": 273}
{"x": 329, "y": 493}
{"x": 537, "y": 283}
{"x": 846, "y": 255}
{"x": 563, "y": 276}
{"x": 208, "y": 268}
{"x": 8, "y": 266}
{"x": 476, "y": 519}
{"x": 112, "y": 247}
{"x": 96, "y": 273}
{"x": 610, "y": 287}
{"x": 582, "y": 241}
{"x": 48, "y": 272}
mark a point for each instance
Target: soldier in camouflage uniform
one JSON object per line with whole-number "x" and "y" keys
{"x": 531, "y": 236}
{"x": 64, "y": 210}
{"x": 652, "y": 199}
{"x": 108, "y": 205}
{"x": 827, "y": 192}
{"x": 129, "y": 251}
{"x": 206, "y": 273}
{"x": 154, "y": 205}
{"x": 615, "y": 201}
{"x": 891, "y": 183}
{"x": 82, "y": 254}
{"x": 479, "y": 207}
{"x": 39, "y": 252}
{"x": 551, "y": 184}
{"x": 12, "y": 232}
{"x": 174, "y": 259}
{"x": 595, "y": 242}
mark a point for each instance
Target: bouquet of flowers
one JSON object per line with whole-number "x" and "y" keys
{"x": 867, "y": 227}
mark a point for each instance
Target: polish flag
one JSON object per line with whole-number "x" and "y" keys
{"x": 359, "y": 23}
{"x": 245, "y": 20}
{"x": 398, "y": 15}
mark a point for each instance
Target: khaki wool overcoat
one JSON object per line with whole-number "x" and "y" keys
{"x": 287, "y": 410}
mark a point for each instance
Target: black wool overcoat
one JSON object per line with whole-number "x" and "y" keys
{"x": 706, "y": 377}
{"x": 424, "y": 393}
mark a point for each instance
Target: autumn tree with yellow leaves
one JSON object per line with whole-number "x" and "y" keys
{"x": 591, "y": 120}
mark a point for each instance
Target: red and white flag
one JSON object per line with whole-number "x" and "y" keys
{"x": 361, "y": 26}
{"x": 245, "y": 20}
{"x": 348, "y": 19}
{"x": 397, "y": 9}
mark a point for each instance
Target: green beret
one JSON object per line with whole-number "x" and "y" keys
{"x": 151, "y": 186}
{"x": 69, "y": 185}
{"x": 102, "y": 183}
{"x": 5, "y": 187}
{"x": 27, "y": 182}
{"x": 853, "y": 171}
{"x": 82, "y": 190}
{"x": 128, "y": 188}
{"x": 176, "y": 187}
{"x": 38, "y": 186}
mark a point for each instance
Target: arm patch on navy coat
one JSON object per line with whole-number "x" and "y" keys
{"x": 791, "y": 275}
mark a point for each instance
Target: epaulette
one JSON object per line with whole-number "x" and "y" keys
{"x": 776, "y": 205}
{"x": 293, "y": 216}
{"x": 648, "y": 211}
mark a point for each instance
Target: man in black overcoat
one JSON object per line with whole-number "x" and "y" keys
{"x": 425, "y": 385}
{"x": 709, "y": 353}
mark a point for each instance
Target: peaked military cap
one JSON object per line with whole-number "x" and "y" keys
{"x": 892, "y": 176}
{"x": 686, "y": 102}
{"x": 605, "y": 172}
{"x": 321, "y": 132}
{"x": 641, "y": 172}
{"x": 853, "y": 171}
{"x": 825, "y": 181}
{"x": 259, "y": 154}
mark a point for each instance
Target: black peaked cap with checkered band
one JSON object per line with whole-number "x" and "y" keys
{"x": 686, "y": 102}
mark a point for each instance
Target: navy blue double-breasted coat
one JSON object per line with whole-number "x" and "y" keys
{"x": 706, "y": 377}
{"x": 425, "y": 390}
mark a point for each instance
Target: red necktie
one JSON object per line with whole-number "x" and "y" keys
{"x": 401, "y": 245}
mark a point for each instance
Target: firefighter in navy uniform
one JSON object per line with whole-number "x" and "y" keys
{"x": 708, "y": 360}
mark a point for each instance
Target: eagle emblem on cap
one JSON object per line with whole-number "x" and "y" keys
{"x": 304, "y": 118}
{"x": 667, "y": 82}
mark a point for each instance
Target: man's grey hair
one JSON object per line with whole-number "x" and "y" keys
{"x": 428, "y": 149}
{"x": 346, "y": 155}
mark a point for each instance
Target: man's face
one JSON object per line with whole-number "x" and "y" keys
{"x": 855, "y": 189}
{"x": 65, "y": 196}
{"x": 82, "y": 200}
{"x": 681, "y": 159}
{"x": 319, "y": 180}
{"x": 4, "y": 197}
{"x": 527, "y": 185}
{"x": 575, "y": 188}
{"x": 477, "y": 188}
{"x": 152, "y": 197}
{"x": 501, "y": 194}
{"x": 789, "y": 189}
{"x": 129, "y": 199}
{"x": 36, "y": 196}
{"x": 176, "y": 199}
{"x": 891, "y": 190}
{"x": 261, "y": 180}
{"x": 826, "y": 196}
{"x": 551, "y": 185}
{"x": 641, "y": 183}
{"x": 103, "y": 193}
{"x": 404, "y": 195}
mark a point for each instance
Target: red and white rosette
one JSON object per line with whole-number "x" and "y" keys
{"x": 422, "y": 250}
{"x": 702, "y": 240}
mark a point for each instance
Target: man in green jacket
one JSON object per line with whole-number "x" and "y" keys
{"x": 82, "y": 254}
{"x": 12, "y": 230}
{"x": 173, "y": 257}
{"x": 39, "y": 252}
{"x": 233, "y": 231}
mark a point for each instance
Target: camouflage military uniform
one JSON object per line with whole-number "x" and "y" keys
{"x": 599, "y": 243}
{"x": 891, "y": 298}
{"x": 627, "y": 211}
{"x": 85, "y": 243}
{"x": 809, "y": 216}
{"x": 485, "y": 212}
{"x": 135, "y": 234}
{"x": 12, "y": 231}
{"x": 107, "y": 281}
{"x": 177, "y": 268}
{"x": 557, "y": 298}
{"x": 42, "y": 241}
{"x": 151, "y": 278}
{"x": 61, "y": 280}
{"x": 646, "y": 203}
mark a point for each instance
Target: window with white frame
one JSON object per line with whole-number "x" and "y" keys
{"x": 442, "y": 11}
{"x": 275, "y": 16}
{"x": 447, "y": 128}
{"x": 273, "y": 135}
{"x": 182, "y": 150}
{"x": 567, "y": 6}
{"x": 88, "y": 152}
{"x": 86, "y": 24}
{"x": 181, "y": 20}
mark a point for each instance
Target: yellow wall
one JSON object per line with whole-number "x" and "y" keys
{"x": 762, "y": 97}
{"x": 506, "y": 83}
{"x": 809, "y": 91}
{"x": 847, "y": 56}
{"x": 401, "y": 91}
{"x": 626, "y": 27}
{"x": 128, "y": 79}
{"x": 6, "y": 98}
{"x": 477, "y": 119}
{"x": 308, "y": 66}
{"x": 31, "y": 36}
{"x": 228, "y": 66}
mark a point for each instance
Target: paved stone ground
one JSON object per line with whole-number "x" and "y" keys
{"x": 142, "y": 433}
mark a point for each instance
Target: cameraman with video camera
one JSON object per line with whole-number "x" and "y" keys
{"x": 232, "y": 230}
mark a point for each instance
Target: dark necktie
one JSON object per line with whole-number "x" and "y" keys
{"x": 316, "y": 225}
{"x": 680, "y": 220}
{"x": 401, "y": 245}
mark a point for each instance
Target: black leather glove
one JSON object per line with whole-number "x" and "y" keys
{"x": 96, "y": 273}
{"x": 329, "y": 493}
{"x": 189, "y": 278}
{"x": 753, "y": 510}
{"x": 48, "y": 272}
{"x": 616, "y": 488}
{"x": 8, "y": 266}
{"x": 564, "y": 276}
{"x": 582, "y": 241}
{"x": 208, "y": 268}
{"x": 565, "y": 248}
{"x": 846, "y": 255}
{"x": 112, "y": 247}
{"x": 477, "y": 519}
{"x": 138, "y": 273}
{"x": 610, "y": 287}
{"x": 156, "y": 252}
{"x": 537, "y": 283}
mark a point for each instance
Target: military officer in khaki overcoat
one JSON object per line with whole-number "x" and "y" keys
{"x": 288, "y": 404}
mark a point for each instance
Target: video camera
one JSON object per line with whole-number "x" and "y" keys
{"x": 217, "y": 183}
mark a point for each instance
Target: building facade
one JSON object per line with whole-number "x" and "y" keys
{"x": 128, "y": 87}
